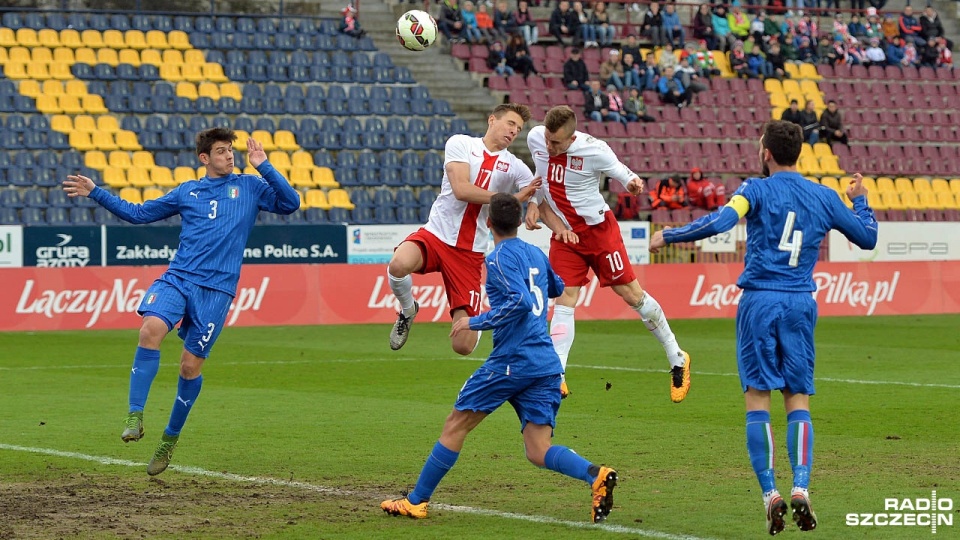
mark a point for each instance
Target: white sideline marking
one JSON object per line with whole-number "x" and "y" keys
{"x": 262, "y": 480}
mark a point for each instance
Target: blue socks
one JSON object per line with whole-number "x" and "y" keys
{"x": 800, "y": 446}
{"x": 440, "y": 460}
{"x": 146, "y": 362}
{"x": 565, "y": 461}
{"x": 760, "y": 448}
{"x": 187, "y": 392}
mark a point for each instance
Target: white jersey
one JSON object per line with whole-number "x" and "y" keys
{"x": 464, "y": 225}
{"x": 571, "y": 181}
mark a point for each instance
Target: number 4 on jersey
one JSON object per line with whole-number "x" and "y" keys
{"x": 791, "y": 245}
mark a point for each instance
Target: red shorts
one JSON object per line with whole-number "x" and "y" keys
{"x": 600, "y": 249}
{"x": 461, "y": 270}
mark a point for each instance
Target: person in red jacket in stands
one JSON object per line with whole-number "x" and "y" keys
{"x": 703, "y": 193}
{"x": 669, "y": 194}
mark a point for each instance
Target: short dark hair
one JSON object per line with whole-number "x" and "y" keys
{"x": 505, "y": 214}
{"x": 207, "y": 137}
{"x": 558, "y": 117}
{"x": 521, "y": 110}
{"x": 784, "y": 140}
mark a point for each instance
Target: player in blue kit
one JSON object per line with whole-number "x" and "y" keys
{"x": 523, "y": 369}
{"x": 217, "y": 214}
{"x": 787, "y": 218}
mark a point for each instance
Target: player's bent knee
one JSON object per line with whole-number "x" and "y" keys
{"x": 152, "y": 332}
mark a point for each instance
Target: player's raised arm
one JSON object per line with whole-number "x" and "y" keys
{"x": 282, "y": 198}
{"x": 859, "y": 226}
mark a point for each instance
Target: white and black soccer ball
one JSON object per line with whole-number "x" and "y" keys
{"x": 416, "y": 30}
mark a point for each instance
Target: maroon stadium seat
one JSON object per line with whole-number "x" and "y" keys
{"x": 460, "y": 50}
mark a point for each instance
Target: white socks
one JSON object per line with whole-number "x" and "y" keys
{"x": 403, "y": 289}
{"x": 562, "y": 332}
{"x": 656, "y": 322}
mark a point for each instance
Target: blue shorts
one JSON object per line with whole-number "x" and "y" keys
{"x": 536, "y": 399}
{"x": 775, "y": 349}
{"x": 203, "y": 311}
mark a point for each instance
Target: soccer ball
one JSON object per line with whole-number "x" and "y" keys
{"x": 416, "y": 30}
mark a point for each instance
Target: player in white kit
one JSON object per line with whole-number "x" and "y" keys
{"x": 455, "y": 238}
{"x": 587, "y": 236}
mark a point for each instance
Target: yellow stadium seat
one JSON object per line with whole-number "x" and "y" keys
{"x": 302, "y": 177}
{"x": 339, "y": 198}
{"x": 822, "y": 149}
{"x": 940, "y": 185}
{"x": 876, "y": 201}
{"x": 70, "y": 38}
{"x": 928, "y": 199}
{"x": 127, "y": 140}
{"x": 316, "y": 198}
{"x": 38, "y": 71}
{"x": 250, "y": 169}
{"x": 93, "y": 104}
{"x": 15, "y": 71}
{"x": 809, "y": 71}
{"x": 119, "y": 159}
{"x": 143, "y": 159}
{"x": 95, "y": 159}
{"x": 231, "y": 90}
{"x": 75, "y": 88}
{"x": 152, "y": 193}
{"x": 323, "y": 177}
{"x": 779, "y": 100}
{"x": 184, "y": 174}
{"x": 192, "y": 72}
{"x": 790, "y": 86}
{"x": 809, "y": 87}
{"x": 210, "y": 90}
{"x": 8, "y": 38}
{"x": 135, "y": 39}
{"x": 129, "y": 56}
{"x": 85, "y": 55}
{"x": 214, "y": 73}
{"x": 885, "y": 185}
{"x": 806, "y": 150}
{"x": 955, "y": 186}
{"x": 285, "y": 140}
{"x": 27, "y": 37}
{"x": 70, "y": 104}
{"x": 151, "y": 56}
{"x": 830, "y": 182}
{"x": 31, "y": 88}
{"x": 922, "y": 185}
{"x": 264, "y": 138}
{"x": 115, "y": 178}
{"x": 64, "y": 55}
{"x": 114, "y": 39}
{"x": 830, "y": 165}
{"x": 42, "y": 55}
{"x": 170, "y": 72}
{"x": 791, "y": 70}
{"x": 280, "y": 160}
{"x": 107, "y": 56}
{"x": 284, "y": 172}
{"x": 131, "y": 194}
{"x": 809, "y": 165}
{"x": 193, "y": 56}
{"x": 868, "y": 182}
{"x": 138, "y": 177}
{"x": 302, "y": 160}
{"x": 948, "y": 200}
{"x": 241, "y": 142}
{"x": 108, "y": 124}
{"x": 19, "y": 54}
{"x": 52, "y": 88}
{"x": 162, "y": 176}
{"x": 201, "y": 172}
{"x": 91, "y": 38}
{"x": 85, "y": 123}
{"x": 187, "y": 90}
{"x": 773, "y": 86}
{"x": 157, "y": 40}
{"x": 172, "y": 56}
{"x": 910, "y": 200}
{"x": 178, "y": 39}
{"x": 903, "y": 185}
{"x": 892, "y": 200}
{"x": 60, "y": 71}
{"x": 61, "y": 123}
{"x": 104, "y": 141}
{"x": 4, "y": 58}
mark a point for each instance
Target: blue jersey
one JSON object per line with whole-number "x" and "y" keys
{"x": 787, "y": 219}
{"x": 217, "y": 215}
{"x": 519, "y": 283}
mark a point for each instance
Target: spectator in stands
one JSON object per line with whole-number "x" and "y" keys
{"x": 631, "y": 47}
{"x": 497, "y": 60}
{"x": 721, "y": 29}
{"x": 827, "y": 52}
{"x": 757, "y": 26}
{"x": 652, "y": 25}
{"x": 671, "y": 25}
{"x": 631, "y": 72}
{"x": 910, "y": 28}
{"x": 596, "y": 104}
{"x": 705, "y": 61}
{"x": 526, "y": 23}
{"x": 689, "y": 77}
{"x": 488, "y": 34}
{"x": 839, "y": 26}
{"x": 650, "y": 73}
{"x": 738, "y": 62}
{"x": 588, "y": 32}
{"x": 856, "y": 51}
{"x": 873, "y": 27}
{"x": 810, "y": 123}
{"x": 575, "y": 73}
{"x": 672, "y": 91}
{"x": 703, "y": 26}
{"x": 831, "y": 125}
{"x": 806, "y": 26}
{"x": 470, "y": 29}
{"x": 757, "y": 63}
{"x": 777, "y": 61}
{"x": 857, "y": 5}
{"x": 946, "y": 55}
{"x": 792, "y": 114}
{"x": 611, "y": 70}
{"x": 564, "y": 23}
{"x": 450, "y": 22}
{"x": 738, "y": 21}
{"x": 703, "y": 193}
{"x": 856, "y": 28}
{"x": 669, "y": 194}
{"x": 504, "y": 20}
{"x": 930, "y": 55}
{"x": 518, "y": 57}
{"x": 635, "y": 108}
{"x": 600, "y": 19}
{"x": 349, "y": 24}
{"x": 667, "y": 57}
{"x": 931, "y": 27}
{"x": 616, "y": 104}
{"x": 806, "y": 52}
{"x": 889, "y": 27}
{"x": 788, "y": 48}
{"x": 771, "y": 30}
{"x": 911, "y": 57}
{"x": 875, "y": 54}
{"x": 895, "y": 52}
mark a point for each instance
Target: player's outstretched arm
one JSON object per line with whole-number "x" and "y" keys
{"x": 255, "y": 153}
{"x": 78, "y": 186}
{"x": 722, "y": 220}
{"x": 148, "y": 212}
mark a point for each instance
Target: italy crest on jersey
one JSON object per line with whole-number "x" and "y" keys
{"x": 234, "y": 192}
{"x": 152, "y": 298}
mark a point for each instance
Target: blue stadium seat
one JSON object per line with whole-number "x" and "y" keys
{"x": 203, "y": 25}
{"x": 162, "y": 23}
{"x": 34, "y": 198}
{"x": 10, "y": 141}
{"x": 372, "y": 140}
{"x": 214, "y": 57}
{"x": 35, "y": 140}
{"x": 329, "y": 140}
{"x": 76, "y": 21}
{"x": 426, "y": 197}
{"x": 315, "y": 215}
{"x": 57, "y": 216}
{"x": 338, "y": 215}
{"x": 346, "y": 43}
{"x": 12, "y": 20}
{"x": 363, "y": 215}
{"x": 58, "y": 197}
{"x": 383, "y": 197}
{"x": 182, "y": 23}
{"x": 405, "y": 197}
{"x": 246, "y": 25}
{"x": 363, "y": 75}
{"x": 79, "y": 216}
{"x": 421, "y": 107}
{"x": 265, "y": 124}
{"x": 269, "y": 218}
{"x": 340, "y": 58}
{"x": 411, "y": 177}
{"x": 385, "y": 214}
{"x": 273, "y": 105}
{"x": 32, "y": 216}
{"x": 299, "y": 58}
{"x": 165, "y": 159}
{"x": 23, "y": 160}
{"x": 240, "y": 57}
{"x": 285, "y": 42}
{"x": 119, "y": 21}
{"x": 244, "y": 123}
{"x": 47, "y": 160}
{"x": 436, "y": 141}
{"x": 395, "y": 141}
{"x": 261, "y": 41}
{"x": 221, "y": 41}
{"x": 291, "y": 26}
{"x": 119, "y": 104}
{"x": 71, "y": 160}
{"x": 16, "y": 123}
{"x": 56, "y": 21}
{"x": 347, "y": 159}
{"x": 82, "y": 71}
{"x": 410, "y": 159}
{"x": 341, "y": 74}
{"x": 382, "y": 60}
{"x": 441, "y": 107}
{"x": 320, "y": 58}
{"x": 408, "y": 215}
{"x": 206, "y": 105}
{"x": 104, "y": 72}
{"x": 8, "y": 216}
{"x": 141, "y": 22}
{"x": 325, "y": 43}
{"x": 368, "y": 160}
{"x": 331, "y": 124}
{"x": 383, "y": 75}
{"x": 228, "y": 105}
{"x": 200, "y": 41}
{"x": 432, "y": 160}
{"x": 315, "y": 92}
{"x": 243, "y": 41}
{"x": 368, "y": 177}
{"x": 226, "y": 24}
{"x": 346, "y": 177}
{"x": 322, "y": 158}
{"x": 11, "y": 198}
{"x": 256, "y": 73}
{"x": 403, "y": 75}
{"x": 459, "y": 125}
{"x": 266, "y": 26}
{"x": 149, "y": 72}
{"x": 103, "y": 216}
{"x": 391, "y": 177}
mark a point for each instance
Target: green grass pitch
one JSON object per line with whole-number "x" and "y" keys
{"x": 301, "y": 431}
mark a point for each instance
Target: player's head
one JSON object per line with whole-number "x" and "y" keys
{"x": 215, "y": 150}
{"x": 559, "y": 125}
{"x": 504, "y": 124}
{"x": 780, "y": 144}
{"x": 505, "y": 214}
